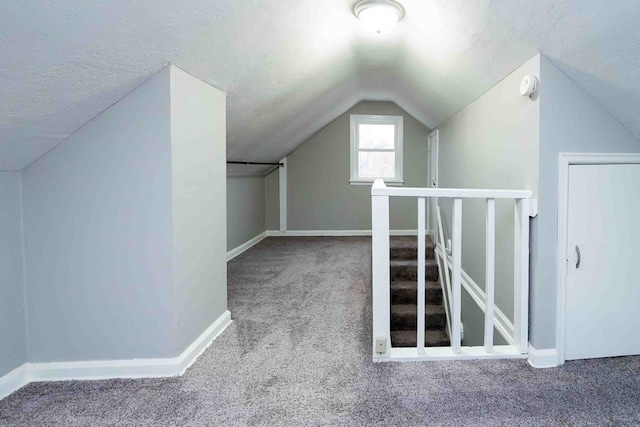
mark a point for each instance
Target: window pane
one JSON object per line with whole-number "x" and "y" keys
{"x": 377, "y": 136}
{"x": 376, "y": 165}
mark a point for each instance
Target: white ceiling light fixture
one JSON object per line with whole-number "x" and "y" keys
{"x": 379, "y": 15}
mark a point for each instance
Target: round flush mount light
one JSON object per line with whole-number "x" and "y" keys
{"x": 379, "y": 15}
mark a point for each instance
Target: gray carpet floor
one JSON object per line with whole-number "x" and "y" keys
{"x": 298, "y": 353}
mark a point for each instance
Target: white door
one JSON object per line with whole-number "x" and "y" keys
{"x": 433, "y": 181}
{"x": 603, "y": 280}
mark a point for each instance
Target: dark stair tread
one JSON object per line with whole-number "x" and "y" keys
{"x": 406, "y": 247}
{"x": 406, "y": 292}
{"x": 412, "y": 310}
{"x": 404, "y": 317}
{"x": 406, "y": 270}
{"x": 410, "y": 284}
{"x": 410, "y": 339}
{"x": 408, "y": 242}
{"x": 412, "y": 263}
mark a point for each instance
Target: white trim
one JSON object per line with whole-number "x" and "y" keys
{"x": 14, "y": 380}
{"x": 433, "y": 141}
{"x": 246, "y": 246}
{"x": 191, "y": 353}
{"x": 410, "y": 354}
{"x": 445, "y": 282}
{"x": 337, "y": 233}
{"x": 547, "y": 358}
{"x": 380, "y": 275}
{"x": 490, "y": 274}
{"x": 456, "y": 277}
{"x": 421, "y": 273}
{"x": 464, "y": 193}
{"x": 521, "y": 232}
{"x": 103, "y": 369}
{"x": 106, "y": 369}
{"x": 282, "y": 192}
{"x": 398, "y": 122}
{"x": 500, "y": 320}
{"x": 533, "y": 208}
{"x": 565, "y": 160}
{"x": 389, "y": 182}
{"x": 135, "y": 368}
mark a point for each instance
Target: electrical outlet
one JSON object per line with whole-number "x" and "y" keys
{"x": 448, "y": 248}
{"x": 381, "y": 345}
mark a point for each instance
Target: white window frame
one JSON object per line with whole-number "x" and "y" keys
{"x": 397, "y": 121}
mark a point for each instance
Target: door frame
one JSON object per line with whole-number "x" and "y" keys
{"x": 565, "y": 161}
{"x": 433, "y": 139}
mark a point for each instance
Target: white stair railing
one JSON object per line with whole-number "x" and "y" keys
{"x": 443, "y": 269}
{"x": 382, "y": 349}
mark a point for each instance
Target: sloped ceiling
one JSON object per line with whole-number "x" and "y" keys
{"x": 290, "y": 67}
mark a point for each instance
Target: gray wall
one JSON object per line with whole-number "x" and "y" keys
{"x": 13, "y": 340}
{"x": 245, "y": 209}
{"x": 492, "y": 143}
{"x": 198, "y": 149}
{"x": 319, "y": 194}
{"x": 473, "y": 321}
{"x": 98, "y": 236}
{"x": 272, "y": 200}
{"x": 571, "y": 121}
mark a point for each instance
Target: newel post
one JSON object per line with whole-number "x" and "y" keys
{"x": 521, "y": 275}
{"x": 380, "y": 270}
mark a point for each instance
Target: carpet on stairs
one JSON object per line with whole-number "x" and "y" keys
{"x": 404, "y": 295}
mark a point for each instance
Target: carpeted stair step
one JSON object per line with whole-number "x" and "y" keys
{"x": 407, "y": 270}
{"x": 404, "y": 317}
{"x": 406, "y": 292}
{"x": 406, "y": 248}
{"x": 410, "y": 339}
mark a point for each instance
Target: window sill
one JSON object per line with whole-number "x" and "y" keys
{"x": 391, "y": 182}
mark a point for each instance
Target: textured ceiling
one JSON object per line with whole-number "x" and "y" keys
{"x": 290, "y": 67}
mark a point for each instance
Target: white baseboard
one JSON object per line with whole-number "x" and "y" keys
{"x": 547, "y": 358}
{"x": 14, "y": 380}
{"x": 410, "y": 354}
{"x": 191, "y": 353}
{"x": 246, "y": 246}
{"x": 331, "y": 233}
{"x": 500, "y": 320}
{"x": 106, "y": 369}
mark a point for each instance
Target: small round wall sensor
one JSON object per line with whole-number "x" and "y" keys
{"x": 528, "y": 85}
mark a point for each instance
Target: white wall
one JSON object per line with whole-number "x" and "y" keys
{"x": 491, "y": 143}
{"x": 13, "y": 340}
{"x": 570, "y": 121}
{"x": 198, "y": 144}
{"x": 245, "y": 209}
{"x": 98, "y": 236}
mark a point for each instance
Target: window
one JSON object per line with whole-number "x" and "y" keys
{"x": 376, "y": 149}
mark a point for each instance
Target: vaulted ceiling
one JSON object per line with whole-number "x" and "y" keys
{"x": 290, "y": 67}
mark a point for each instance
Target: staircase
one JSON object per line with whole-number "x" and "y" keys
{"x": 404, "y": 295}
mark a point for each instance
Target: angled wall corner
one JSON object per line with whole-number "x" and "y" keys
{"x": 125, "y": 229}
{"x": 13, "y": 336}
{"x": 97, "y": 215}
{"x": 199, "y": 210}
